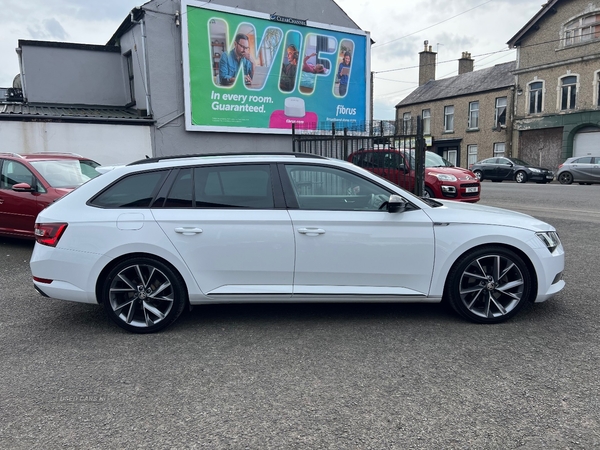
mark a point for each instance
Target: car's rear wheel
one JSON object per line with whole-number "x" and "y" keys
{"x": 521, "y": 177}
{"x": 478, "y": 174}
{"x": 565, "y": 178}
{"x": 489, "y": 285}
{"x": 143, "y": 295}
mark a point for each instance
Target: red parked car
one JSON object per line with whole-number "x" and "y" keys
{"x": 29, "y": 183}
{"x": 442, "y": 178}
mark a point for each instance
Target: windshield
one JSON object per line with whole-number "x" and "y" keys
{"x": 435, "y": 160}
{"x": 66, "y": 173}
{"x": 431, "y": 160}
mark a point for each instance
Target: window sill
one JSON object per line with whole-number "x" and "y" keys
{"x": 471, "y": 130}
{"x": 448, "y": 132}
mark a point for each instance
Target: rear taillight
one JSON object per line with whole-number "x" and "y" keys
{"x": 560, "y": 165}
{"x": 49, "y": 233}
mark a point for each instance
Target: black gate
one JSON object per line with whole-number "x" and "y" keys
{"x": 395, "y": 151}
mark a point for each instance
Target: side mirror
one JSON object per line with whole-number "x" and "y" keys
{"x": 402, "y": 167}
{"x": 22, "y": 187}
{"x": 396, "y": 204}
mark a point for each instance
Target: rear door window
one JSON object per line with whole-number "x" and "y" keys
{"x": 230, "y": 186}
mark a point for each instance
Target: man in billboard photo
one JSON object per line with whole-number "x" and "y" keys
{"x": 229, "y": 64}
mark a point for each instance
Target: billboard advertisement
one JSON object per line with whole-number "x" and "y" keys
{"x": 259, "y": 73}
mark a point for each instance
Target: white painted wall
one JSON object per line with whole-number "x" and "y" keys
{"x": 107, "y": 144}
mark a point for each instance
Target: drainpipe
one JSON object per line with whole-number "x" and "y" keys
{"x": 144, "y": 61}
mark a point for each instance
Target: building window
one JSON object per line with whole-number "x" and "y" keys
{"x": 426, "y": 114}
{"x": 536, "y": 90}
{"x": 406, "y": 123}
{"x": 500, "y": 114}
{"x": 129, "y": 61}
{"x": 473, "y": 115}
{"x": 472, "y": 155}
{"x": 568, "y": 93}
{"x": 582, "y": 29}
{"x": 499, "y": 149}
{"x": 448, "y": 118}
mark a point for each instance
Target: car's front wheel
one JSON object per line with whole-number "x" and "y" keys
{"x": 488, "y": 285}
{"x": 428, "y": 193}
{"x": 143, "y": 295}
{"x": 565, "y": 178}
{"x": 521, "y": 177}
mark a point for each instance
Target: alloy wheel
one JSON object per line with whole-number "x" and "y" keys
{"x": 491, "y": 286}
{"x": 141, "y": 296}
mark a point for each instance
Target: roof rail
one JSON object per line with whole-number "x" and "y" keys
{"x": 209, "y": 155}
{"x": 11, "y": 154}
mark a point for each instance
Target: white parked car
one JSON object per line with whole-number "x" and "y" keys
{"x": 148, "y": 239}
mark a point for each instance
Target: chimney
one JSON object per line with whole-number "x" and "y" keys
{"x": 465, "y": 63}
{"x": 426, "y": 64}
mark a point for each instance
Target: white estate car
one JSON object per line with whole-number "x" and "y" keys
{"x": 148, "y": 239}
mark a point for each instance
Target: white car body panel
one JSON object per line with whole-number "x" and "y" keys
{"x": 233, "y": 251}
{"x": 362, "y": 248}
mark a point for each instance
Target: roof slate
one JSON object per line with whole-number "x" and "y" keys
{"x": 489, "y": 79}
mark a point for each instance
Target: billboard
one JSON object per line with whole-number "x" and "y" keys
{"x": 258, "y": 73}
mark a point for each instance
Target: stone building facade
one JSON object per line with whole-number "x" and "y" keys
{"x": 552, "y": 93}
{"x": 557, "y": 107}
{"x": 466, "y": 117}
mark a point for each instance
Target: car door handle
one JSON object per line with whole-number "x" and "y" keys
{"x": 188, "y": 231}
{"x": 311, "y": 231}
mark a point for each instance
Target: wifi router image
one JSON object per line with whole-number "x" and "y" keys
{"x": 294, "y": 112}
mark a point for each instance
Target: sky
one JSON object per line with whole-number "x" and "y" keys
{"x": 398, "y": 27}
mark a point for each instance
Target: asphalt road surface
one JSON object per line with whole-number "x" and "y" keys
{"x": 312, "y": 376}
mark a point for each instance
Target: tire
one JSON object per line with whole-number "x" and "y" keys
{"x": 143, "y": 295}
{"x": 476, "y": 291}
{"x": 428, "y": 193}
{"x": 521, "y": 177}
{"x": 565, "y": 178}
{"x": 478, "y": 174}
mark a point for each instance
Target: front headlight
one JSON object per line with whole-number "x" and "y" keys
{"x": 550, "y": 239}
{"x": 443, "y": 176}
{"x": 535, "y": 170}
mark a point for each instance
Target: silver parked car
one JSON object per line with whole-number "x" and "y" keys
{"x": 581, "y": 169}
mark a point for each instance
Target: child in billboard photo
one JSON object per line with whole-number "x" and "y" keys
{"x": 229, "y": 64}
{"x": 287, "y": 81}
{"x": 313, "y": 68}
{"x": 343, "y": 73}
